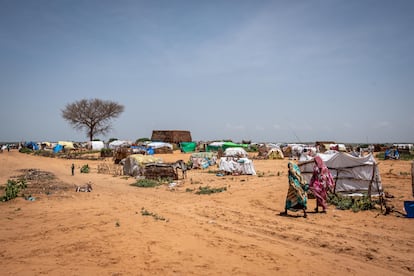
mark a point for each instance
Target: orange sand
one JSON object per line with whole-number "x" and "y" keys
{"x": 236, "y": 232}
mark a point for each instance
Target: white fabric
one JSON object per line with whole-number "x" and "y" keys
{"x": 119, "y": 143}
{"x": 237, "y": 165}
{"x": 158, "y": 145}
{"x": 236, "y": 151}
{"x": 351, "y": 174}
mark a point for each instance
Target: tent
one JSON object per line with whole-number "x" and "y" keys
{"x": 134, "y": 163}
{"x": 236, "y": 165}
{"x": 188, "y": 146}
{"x": 67, "y": 145}
{"x": 235, "y": 161}
{"x": 352, "y": 175}
{"x": 119, "y": 143}
{"x": 96, "y": 145}
{"x": 236, "y": 151}
{"x": 203, "y": 159}
{"x": 215, "y": 146}
{"x": 275, "y": 153}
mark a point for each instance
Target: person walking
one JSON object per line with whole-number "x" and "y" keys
{"x": 321, "y": 183}
{"x": 73, "y": 169}
{"x": 296, "y": 198}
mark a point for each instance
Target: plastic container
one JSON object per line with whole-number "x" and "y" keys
{"x": 409, "y": 208}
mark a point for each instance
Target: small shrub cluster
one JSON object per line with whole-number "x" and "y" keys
{"x": 355, "y": 204}
{"x": 13, "y": 188}
{"x": 145, "y": 212}
{"x": 146, "y": 183}
{"x": 206, "y": 190}
{"x": 25, "y": 150}
{"x": 85, "y": 169}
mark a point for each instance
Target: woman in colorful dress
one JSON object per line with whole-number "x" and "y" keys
{"x": 321, "y": 183}
{"x": 296, "y": 198}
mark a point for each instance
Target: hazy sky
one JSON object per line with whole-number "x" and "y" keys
{"x": 281, "y": 71}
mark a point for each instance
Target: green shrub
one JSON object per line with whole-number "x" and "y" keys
{"x": 12, "y": 189}
{"x": 85, "y": 169}
{"x": 25, "y": 150}
{"x": 146, "y": 183}
{"x": 206, "y": 190}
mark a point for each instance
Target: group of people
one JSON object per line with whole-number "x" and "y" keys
{"x": 320, "y": 184}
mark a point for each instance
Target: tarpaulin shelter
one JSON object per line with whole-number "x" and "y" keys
{"x": 352, "y": 175}
{"x": 188, "y": 146}
{"x": 215, "y": 146}
{"x": 133, "y": 165}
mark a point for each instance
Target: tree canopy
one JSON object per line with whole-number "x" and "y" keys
{"x": 92, "y": 115}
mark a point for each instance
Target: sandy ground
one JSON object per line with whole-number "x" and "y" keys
{"x": 236, "y": 232}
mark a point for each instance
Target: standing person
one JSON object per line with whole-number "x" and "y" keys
{"x": 321, "y": 183}
{"x": 296, "y": 198}
{"x": 73, "y": 169}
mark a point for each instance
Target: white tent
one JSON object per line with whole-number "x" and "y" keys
{"x": 96, "y": 145}
{"x": 236, "y": 151}
{"x": 157, "y": 145}
{"x": 352, "y": 175}
{"x": 119, "y": 143}
{"x": 237, "y": 165}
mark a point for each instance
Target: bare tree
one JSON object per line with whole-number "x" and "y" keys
{"x": 93, "y": 115}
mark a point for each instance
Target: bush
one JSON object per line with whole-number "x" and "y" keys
{"x": 355, "y": 204}
{"x": 85, "y": 169}
{"x": 146, "y": 183}
{"x": 206, "y": 190}
{"x": 13, "y": 187}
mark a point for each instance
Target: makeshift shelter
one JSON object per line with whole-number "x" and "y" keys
{"x": 203, "y": 159}
{"x": 275, "y": 153}
{"x": 188, "y": 146}
{"x": 216, "y": 146}
{"x": 134, "y": 164}
{"x": 119, "y": 143}
{"x": 32, "y": 145}
{"x": 96, "y": 145}
{"x": 235, "y": 162}
{"x": 160, "y": 147}
{"x": 66, "y": 145}
{"x": 352, "y": 175}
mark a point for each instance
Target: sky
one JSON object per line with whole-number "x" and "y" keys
{"x": 259, "y": 70}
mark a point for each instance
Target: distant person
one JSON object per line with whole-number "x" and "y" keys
{"x": 296, "y": 198}
{"x": 8, "y": 147}
{"x": 321, "y": 183}
{"x": 73, "y": 169}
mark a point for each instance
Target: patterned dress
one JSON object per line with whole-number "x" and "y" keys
{"x": 296, "y": 198}
{"x": 321, "y": 182}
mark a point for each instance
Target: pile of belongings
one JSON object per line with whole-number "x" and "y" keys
{"x": 202, "y": 160}
{"x": 235, "y": 162}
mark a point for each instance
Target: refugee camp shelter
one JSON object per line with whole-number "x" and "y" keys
{"x": 216, "y": 146}
{"x": 96, "y": 145}
{"x": 188, "y": 146}
{"x": 235, "y": 162}
{"x": 171, "y": 136}
{"x": 203, "y": 159}
{"x": 134, "y": 164}
{"x": 352, "y": 175}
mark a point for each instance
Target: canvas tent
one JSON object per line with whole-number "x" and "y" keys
{"x": 352, "y": 175}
